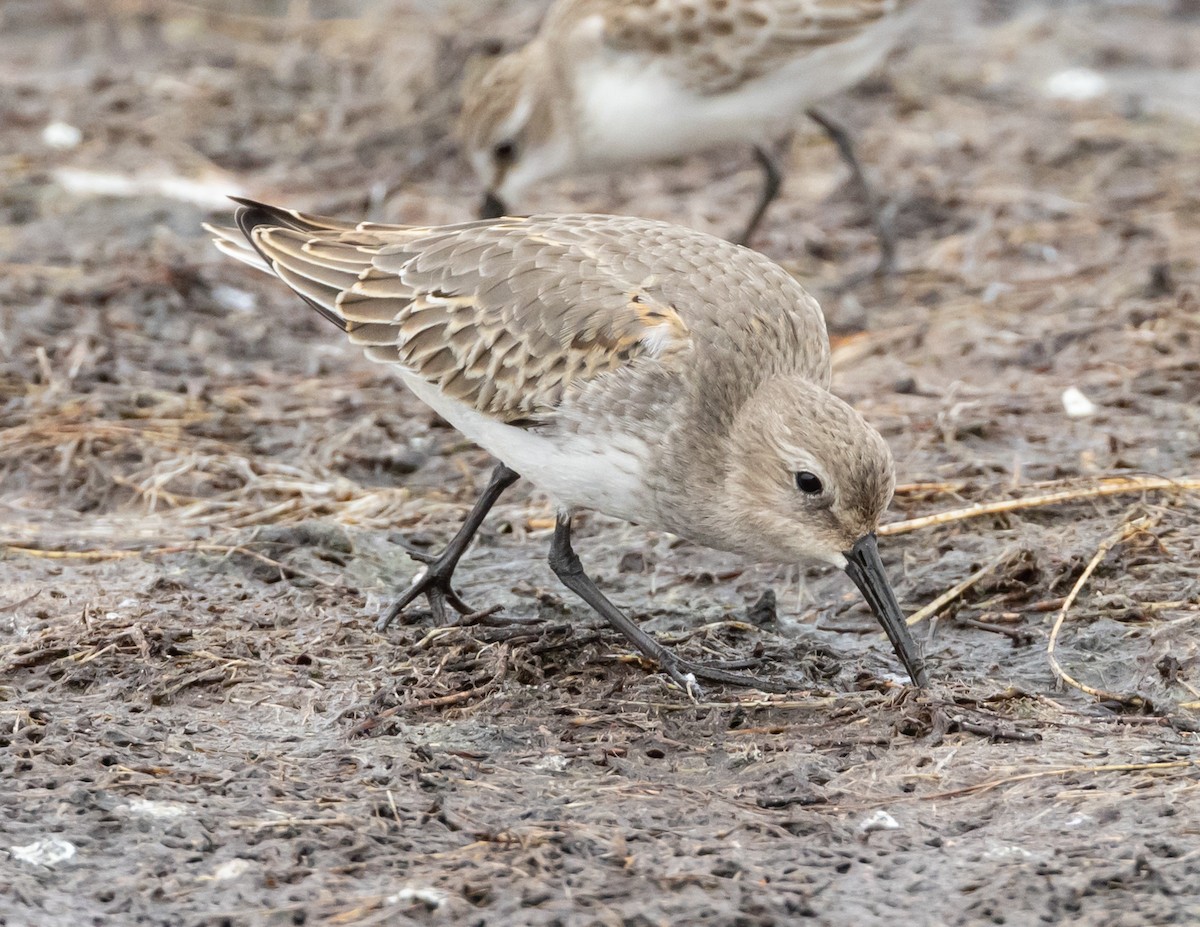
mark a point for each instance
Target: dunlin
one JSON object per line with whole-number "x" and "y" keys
{"x": 631, "y": 367}
{"x": 606, "y": 84}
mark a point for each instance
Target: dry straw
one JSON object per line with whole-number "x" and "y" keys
{"x": 1124, "y": 533}
{"x": 1105, "y": 486}
{"x": 954, "y": 592}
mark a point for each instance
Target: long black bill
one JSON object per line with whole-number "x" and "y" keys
{"x": 493, "y": 207}
{"x": 866, "y": 569}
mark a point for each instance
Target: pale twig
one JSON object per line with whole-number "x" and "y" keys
{"x": 336, "y": 820}
{"x": 1108, "y": 486}
{"x": 954, "y": 592}
{"x": 1025, "y": 777}
{"x": 1124, "y": 533}
{"x": 913, "y": 489}
{"x": 748, "y": 704}
{"x": 1192, "y": 689}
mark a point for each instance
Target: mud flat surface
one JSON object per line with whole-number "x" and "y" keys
{"x": 205, "y": 496}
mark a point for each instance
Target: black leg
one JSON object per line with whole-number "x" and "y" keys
{"x": 772, "y": 179}
{"x": 435, "y": 584}
{"x": 879, "y": 214}
{"x": 567, "y": 567}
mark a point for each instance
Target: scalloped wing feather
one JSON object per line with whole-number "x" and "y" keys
{"x": 505, "y": 316}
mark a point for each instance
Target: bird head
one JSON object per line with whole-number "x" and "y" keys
{"x": 510, "y": 127}
{"x": 807, "y": 478}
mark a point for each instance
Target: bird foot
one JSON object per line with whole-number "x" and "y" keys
{"x": 434, "y": 584}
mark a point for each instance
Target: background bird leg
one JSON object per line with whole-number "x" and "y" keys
{"x": 880, "y": 218}
{"x": 772, "y": 180}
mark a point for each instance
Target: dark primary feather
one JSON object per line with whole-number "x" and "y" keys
{"x": 251, "y": 214}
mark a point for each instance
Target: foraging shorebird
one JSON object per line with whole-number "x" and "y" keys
{"x": 606, "y": 84}
{"x": 650, "y": 372}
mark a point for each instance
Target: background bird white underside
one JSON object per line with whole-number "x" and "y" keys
{"x": 640, "y": 105}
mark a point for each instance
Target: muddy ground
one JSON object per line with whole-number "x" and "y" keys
{"x": 206, "y": 496}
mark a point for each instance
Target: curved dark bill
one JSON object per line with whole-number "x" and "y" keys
{"x": 493, "y": 207}
{"x": 866, "y": 569}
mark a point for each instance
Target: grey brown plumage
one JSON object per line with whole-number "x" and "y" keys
{"x": 713, "y": 46}
{"x": 653, "y": 373}
{"x": 513, "y": 315}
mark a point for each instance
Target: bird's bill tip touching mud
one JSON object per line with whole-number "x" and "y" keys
{"x": 866, "y": 569}
{"x": 492, "y": 207}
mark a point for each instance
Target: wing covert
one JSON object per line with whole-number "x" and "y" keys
{"x": 506, "y": 316}
{"x": 721, "y": 45}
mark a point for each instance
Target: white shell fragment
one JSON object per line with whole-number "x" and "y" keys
{"x": 1077, "y": 85}
{"x": 879, "y": 820}
{"x": 149, "y": 808}
{"x": 1077, "y": 405}
{"x": 432, "y": 898}
{"x": 1008, "y": 851}
{"x": 48, "y": 852}
{"x": 62, "y": 136}
{"x": 230, "y": 870}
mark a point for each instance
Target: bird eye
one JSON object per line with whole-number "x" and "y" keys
{"x": 809, "y": 483}
{"x": 505, "y": 152}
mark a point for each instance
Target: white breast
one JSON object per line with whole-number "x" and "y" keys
{"x": 602, "y": 471}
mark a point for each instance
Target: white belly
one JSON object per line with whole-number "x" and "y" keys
{"x": 632, "y": 109}
{"x": 602, "y": 472}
